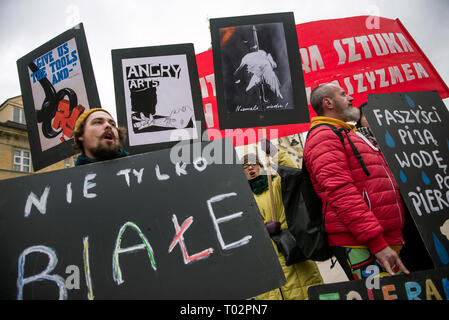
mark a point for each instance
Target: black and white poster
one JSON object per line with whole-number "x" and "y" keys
{"x": 411, "y": 129}
{"x": 259, "y": 82}
{"x": 258, "y": 72}
{"x": 158, "y": 96}
{"x": 58, "y": 85}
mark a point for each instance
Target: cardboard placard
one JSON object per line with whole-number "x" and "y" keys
{"x": 258, "y": 73}
{"x": 148, "y": 226}
{"x": 411, "y": 129}
{"x": 158, "y": 96}
{"x": 58, "y": 84}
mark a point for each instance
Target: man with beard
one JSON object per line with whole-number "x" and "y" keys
{"x": 362, "y": 208}
{"x": 97, "y": 137}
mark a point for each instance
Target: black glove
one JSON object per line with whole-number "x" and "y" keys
{"x": 273, "y": 227}
{"x": 268, "y": 147}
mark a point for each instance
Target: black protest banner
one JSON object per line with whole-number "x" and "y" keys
{"x": 149, "y": 226}
{"x": 411, "y": 129}
{"x": 258, "y": 71}
{"x": 420, "y": 285}
{"x": 158, "y": 96}
{"x": 57, "y": 84}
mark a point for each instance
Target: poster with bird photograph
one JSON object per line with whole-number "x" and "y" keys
{"x": 258, "y": 71}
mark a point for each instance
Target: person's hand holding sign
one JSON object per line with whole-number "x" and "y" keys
{"x": 388, "y": 259}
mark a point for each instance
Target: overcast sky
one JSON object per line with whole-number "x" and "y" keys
{"x": 115, "y": 24}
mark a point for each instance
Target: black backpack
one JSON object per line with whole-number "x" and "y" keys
{"x": 303, "y": 211}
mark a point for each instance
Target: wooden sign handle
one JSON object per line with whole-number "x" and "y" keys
{"x": 270, "y": 185}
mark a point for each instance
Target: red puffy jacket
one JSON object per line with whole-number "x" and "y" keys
{"x": 359, "y": 210}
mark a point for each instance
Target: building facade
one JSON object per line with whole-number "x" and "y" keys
{"x": 15, "y": 154}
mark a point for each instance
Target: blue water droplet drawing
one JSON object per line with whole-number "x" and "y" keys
{"x": 402, "y": 176}
{"x": 425, "y": 178}
{"x": 410, "y": 102}
{"x": 441, "y": 250}
{"x": 389, "y": 140}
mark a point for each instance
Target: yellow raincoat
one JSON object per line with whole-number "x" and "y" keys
{"x": 298, "y": 276}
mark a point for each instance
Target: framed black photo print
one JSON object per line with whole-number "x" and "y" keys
{"x": 258, "y": 73}
{"x": 158, "y": 97}
{"x": 58, "y": 84}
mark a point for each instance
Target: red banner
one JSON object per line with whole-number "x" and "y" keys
{"x": 364, "y": 57}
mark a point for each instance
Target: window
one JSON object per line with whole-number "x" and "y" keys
{"x": 22, "y": 160}
{"x": 18, "y": 115}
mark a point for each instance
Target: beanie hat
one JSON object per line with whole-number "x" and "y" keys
{"x": 251, "y": 158}
{"x": 86, "y": 114}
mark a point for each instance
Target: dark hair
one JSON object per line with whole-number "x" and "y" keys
{"x": 359, "y": 122}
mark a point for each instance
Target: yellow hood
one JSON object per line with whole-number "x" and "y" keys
{"x": 333, "y": 121}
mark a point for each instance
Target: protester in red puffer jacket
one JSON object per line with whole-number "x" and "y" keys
{"x": 361, "y": 201}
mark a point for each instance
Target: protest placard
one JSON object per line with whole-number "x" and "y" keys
{"x": 148, "y": 226}
{"x": 420, "y": 285}
{"x": 58, "y": 84}
{"x": 158, "y": 96}
{"x": 258, "y": 74}
{"x": 411, "y": 129}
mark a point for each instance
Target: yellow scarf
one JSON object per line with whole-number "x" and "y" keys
{"x": 332, "y": 121}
